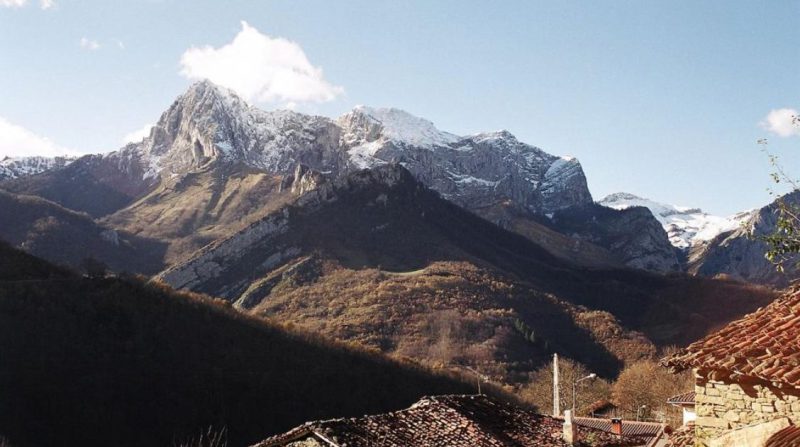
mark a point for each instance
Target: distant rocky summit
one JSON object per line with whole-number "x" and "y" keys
{"x": 686, "y": 227}
{"x": 14, "y": 167}
{"x": 739, "y": 253}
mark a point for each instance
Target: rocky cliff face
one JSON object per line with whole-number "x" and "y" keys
{"x": 209, "y": 123}
{"x": 475, "y": 172}
{"x": 632, "y": 234}
{"x": 740, "y": 253}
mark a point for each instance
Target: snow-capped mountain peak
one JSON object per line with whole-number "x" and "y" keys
{"x": 366, "y": 125}
{"x": 209, "y": 126}
{"x": 685, "y": 226}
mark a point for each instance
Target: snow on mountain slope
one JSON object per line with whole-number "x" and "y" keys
{"x": 402, "y": 127}
{"x": 686, "y": 227}
{"x": 14, "y": 167}
{"x": 476, "y": 171}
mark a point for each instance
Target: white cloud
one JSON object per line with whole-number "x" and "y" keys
{"x": 17, "y": 141}
{"x": 89, "y": 44}
{"x": 782, "y": 122}
{"x": 13, "y": 3}
{"x": 260, "y": 68}
{"x": 137, "y": 135}
{"x": 44, "y": 4}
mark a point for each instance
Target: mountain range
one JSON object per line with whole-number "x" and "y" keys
{"x": 379, "y": 230}
{"x": 228, "y": 156}
{"x": 213, "y": 164}
{"x": 713, "y": 245}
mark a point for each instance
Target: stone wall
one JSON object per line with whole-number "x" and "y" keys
{"x": 725, "y": 406}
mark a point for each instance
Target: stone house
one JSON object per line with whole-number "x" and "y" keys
{"x": 452, "y": 421}
{"x": 747, "y": 377}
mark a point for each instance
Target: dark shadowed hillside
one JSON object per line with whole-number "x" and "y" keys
{"x": 97, "y": 362}
{"x": 63, "y": 236}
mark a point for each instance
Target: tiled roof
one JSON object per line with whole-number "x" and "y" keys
{"x": 444, "y": 421}
{"x": 685, "y": 398}
{"x": 629, "y": 428}
{"x": 682, "y": 437}
{"x": 788, "y": 437}
{"x": 764, "y": 344}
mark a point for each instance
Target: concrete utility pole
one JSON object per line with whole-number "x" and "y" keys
{"x": 556, "y": 394}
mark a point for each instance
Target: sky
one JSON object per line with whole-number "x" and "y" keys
{"x": 666, "y": 100}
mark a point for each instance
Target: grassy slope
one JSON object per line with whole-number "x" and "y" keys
{"x": 116, "y": 362}
{"x": 201, "y": 207}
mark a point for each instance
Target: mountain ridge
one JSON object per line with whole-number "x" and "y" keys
{"x": 396, "y": 253}
{"x": 686, "y": 227}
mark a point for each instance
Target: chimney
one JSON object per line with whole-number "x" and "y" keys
{"x": 616, "y": 426}
{"x": 570, "y": 434}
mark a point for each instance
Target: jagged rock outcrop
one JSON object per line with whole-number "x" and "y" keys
{"x": 740, "y": 253}
{"x": 210, "y": 123}
{"x": 302, "y": 181}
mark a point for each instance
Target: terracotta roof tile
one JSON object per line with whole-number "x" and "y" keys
{"x": 684, "y": 398}
{"x": 629, "y": 428}
{"x": 443, "y": 421}
{"x": 788, "y": 437}
{"x": 764, "y": 344}
{"x": 682, "y": 437}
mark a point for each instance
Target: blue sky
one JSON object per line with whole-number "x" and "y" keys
{"x": 661, "y": 99}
